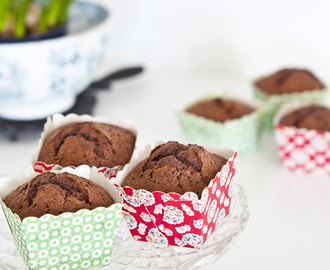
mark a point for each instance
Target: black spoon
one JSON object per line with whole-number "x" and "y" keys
{"x": 120, "y": 74}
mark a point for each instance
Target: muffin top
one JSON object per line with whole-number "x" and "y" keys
{"x": 173, "y": 167}
{"x": 289, "y": 81}
{"x": 310, "y": 117}
{"x": 220, "y": 110}
{"x": 90, "y": 143}
{"x": 50, "y": 193}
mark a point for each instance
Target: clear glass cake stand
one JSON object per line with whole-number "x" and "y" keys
{"x": 130, "y": 254}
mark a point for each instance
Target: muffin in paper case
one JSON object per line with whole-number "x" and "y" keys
{"x": 274, "y": 102}
{"x": 301, "y": 149}
{"x": 199, "y": 130}
{"x": 58, "y": 120}
{"x": 173, "y": 219}
{"x": 78, "y": 240}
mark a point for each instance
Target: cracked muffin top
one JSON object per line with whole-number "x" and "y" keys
{"x": 310, "y": 117}
{"x": 174, "y": 167}
{"x": 220, "y": 110}
{"x": 288, "y": 81}
{"x": 90, "y": 143}
{"x": 50, "y": 193}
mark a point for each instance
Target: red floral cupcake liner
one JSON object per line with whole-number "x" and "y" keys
{"x": 41, "y": 167}
{"x": 179, "y": 220}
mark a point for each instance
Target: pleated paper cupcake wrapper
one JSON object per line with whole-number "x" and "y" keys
{"x": 242, "y": 134}
{"x": 58, "y": 120}
{"x": 78, "y": 240}
{"x": 42, "y": 167}
{"x": 301, "y": 150}
{"x": 173, "y": 219}
{"x": 274, "y": 102}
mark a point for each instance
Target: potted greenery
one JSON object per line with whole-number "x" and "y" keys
{"x": 22, "y": 20}
{"x": 64, "y": 44}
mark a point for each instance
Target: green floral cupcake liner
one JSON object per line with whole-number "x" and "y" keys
{"x": 242, "y": 134}
{"x": 78, "y": 240}
{"x": 274, "y": 102}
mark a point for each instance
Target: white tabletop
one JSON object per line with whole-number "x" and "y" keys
{"x": 290, "y": 213}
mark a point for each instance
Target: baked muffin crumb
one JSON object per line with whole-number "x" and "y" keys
{"x": 174, "y": 167}
{"x": 220, "y": 109}
{"x": 90, "y": 143}
{"x": 310, "y": 117}
{"x": 50, "y": 193}
{"x": 289, "y": 81}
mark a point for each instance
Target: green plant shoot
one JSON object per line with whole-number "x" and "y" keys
{"x": 52, "y": 13}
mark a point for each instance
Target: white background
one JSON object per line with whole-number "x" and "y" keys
{"x": 190, "y": 48}
{"x": 243, "y": 38}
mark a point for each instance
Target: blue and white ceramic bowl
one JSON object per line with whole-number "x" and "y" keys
{"x": 40, "y": 78}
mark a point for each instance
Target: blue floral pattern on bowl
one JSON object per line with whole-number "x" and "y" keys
{"x": 32, "y": 73}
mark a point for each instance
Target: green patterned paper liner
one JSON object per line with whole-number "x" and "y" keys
{"x": 79, "y": 240}
{"x": 274, "y": 102}
{"x": 242, "y": 134}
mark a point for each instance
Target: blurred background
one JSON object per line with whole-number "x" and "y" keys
{"x": 240, "y": 38}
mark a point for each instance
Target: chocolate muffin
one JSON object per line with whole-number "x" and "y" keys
{"x": 220, "y": 110}
{"x": 289, "y": 81}
{"x": 50, "y": 193}
{"x": 310, "y": 117}
{"x": 173, "y": 167}
{"x": 91, "y": 143}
